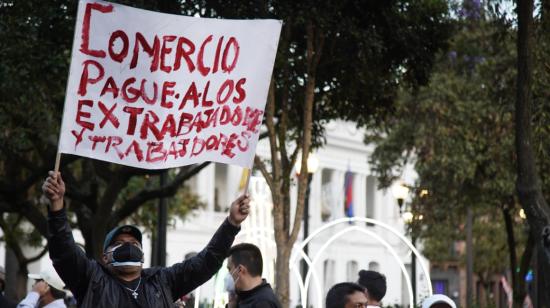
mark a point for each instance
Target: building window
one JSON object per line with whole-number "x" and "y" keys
{"x": 221, "y": 202}
{"x": 329, "y": 274}
{"x": 440, "y": 286}
{"x": 374, "y": 266}
{"x": 352, "y": 269}
{"x": 371, "y": 193}
{"x": 328, "y": 197}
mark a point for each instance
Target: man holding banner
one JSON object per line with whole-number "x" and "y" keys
{"x": 157, "y": 91}
{"x": 121, "y": 281}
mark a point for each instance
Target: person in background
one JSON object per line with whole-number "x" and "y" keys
{"x": 438, "y": 301}
{"x": 245, "y": 267}
{"x": 346, "y": 295}
{"x": 230, "y": 289}
{"x": 47, "y": 291}
{"x": 4, "y": 301}
{"x": 375, "y": 287}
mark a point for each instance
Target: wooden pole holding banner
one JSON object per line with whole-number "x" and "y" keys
{"x": 57, "y": 162}
{"x": 245, "y": 190}
{"x": 246, "y": 185}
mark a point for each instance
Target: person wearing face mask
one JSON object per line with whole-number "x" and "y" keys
{"x": 120, "y": 280}
{"x": 47, "y": 291}
{"x": 245, "y": 267}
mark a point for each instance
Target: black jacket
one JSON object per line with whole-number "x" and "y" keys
{"x": 5, "y": 302}
{"x": 261, "y": 296}
{"x": 95, "y": 287}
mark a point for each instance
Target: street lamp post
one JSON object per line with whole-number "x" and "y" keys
{"x": 400, "y": 193}
{"x": 312, "y": 166}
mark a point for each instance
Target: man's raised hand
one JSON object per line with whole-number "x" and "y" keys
{"x": 239, "y": 210}
{"x": 54, "y": 189}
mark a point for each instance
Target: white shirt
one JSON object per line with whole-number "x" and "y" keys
{"x": 31, "y": 301}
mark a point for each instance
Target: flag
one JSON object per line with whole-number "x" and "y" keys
{"x": 348, "y": 189}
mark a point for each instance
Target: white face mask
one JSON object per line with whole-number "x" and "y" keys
{"x": 230, "y": 281}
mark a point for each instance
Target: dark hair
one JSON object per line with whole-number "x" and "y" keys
{"x": 337, "y": 296}
{"x": 56, "y": 293}
{"x": 249, "y": 256}
{"x": 374, "y": 282}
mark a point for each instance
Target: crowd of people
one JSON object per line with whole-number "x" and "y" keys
{"x": 119, "y": 279}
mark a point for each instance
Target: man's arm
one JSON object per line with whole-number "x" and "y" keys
{"x": 186, "y": 276}
{"x": 68, "y": 259}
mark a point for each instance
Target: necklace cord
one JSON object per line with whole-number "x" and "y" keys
{"x": 134, "y": 291}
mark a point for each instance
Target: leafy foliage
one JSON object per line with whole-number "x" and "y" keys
{"x": 458, "y": 131}
{"x": 336, "y": 59}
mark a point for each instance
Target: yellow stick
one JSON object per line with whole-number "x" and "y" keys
{"x": 57, "y": 161}
{"x": 247, "y": 181}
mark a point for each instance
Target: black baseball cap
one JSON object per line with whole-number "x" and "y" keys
{"x": 126, "y": 229}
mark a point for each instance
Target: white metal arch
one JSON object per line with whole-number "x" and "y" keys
{"x": 335, "y": 237}
{"x": 299, "y": 251}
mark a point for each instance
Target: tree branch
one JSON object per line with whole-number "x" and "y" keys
{"x": 74, "y": 190}
{"x": 132, "y": 204}
{"x": 315, "y": 42}
{"x": 272, "y": 134}
{"x": 37, "y": 257}
{"x": 261, "y": 166}
{"x": 31, "y": 212}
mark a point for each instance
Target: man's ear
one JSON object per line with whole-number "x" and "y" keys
{"x": 105, "y": 259}
{"x": 242, "y": 269}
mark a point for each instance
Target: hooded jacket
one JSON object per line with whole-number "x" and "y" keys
{"x": 94, "y": 286}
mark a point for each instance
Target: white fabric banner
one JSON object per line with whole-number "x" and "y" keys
{"x": 155, "y": 91}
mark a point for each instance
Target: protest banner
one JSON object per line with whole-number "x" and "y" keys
{"x": 154, "y": 91}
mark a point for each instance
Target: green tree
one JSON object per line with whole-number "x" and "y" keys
{"x": 529, "y": 183}
{"x": 336, "y": 59}
{"x": 457, "y": 131}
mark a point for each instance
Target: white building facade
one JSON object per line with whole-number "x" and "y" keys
{"x": 360, "y": 246}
